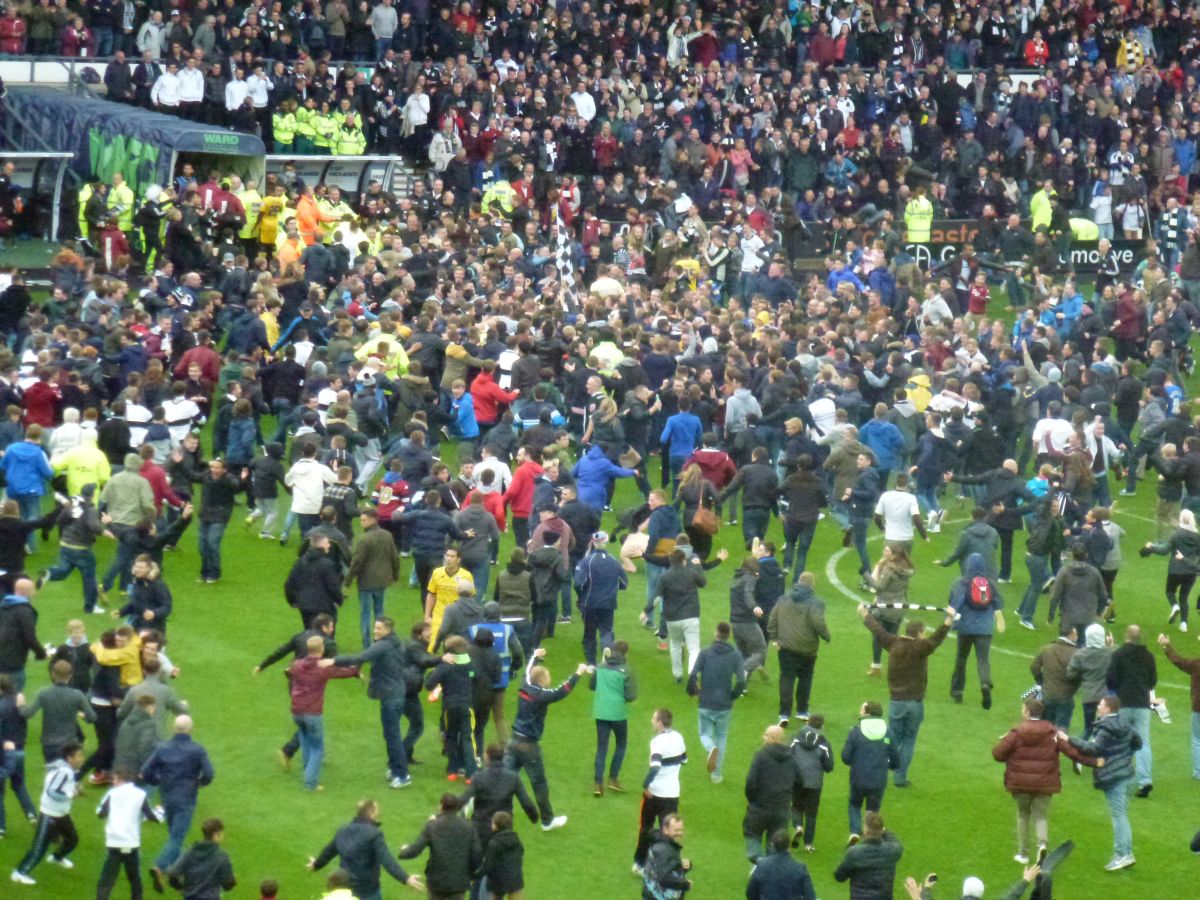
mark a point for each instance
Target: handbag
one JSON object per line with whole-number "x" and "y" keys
{"x": 705, "y": 520}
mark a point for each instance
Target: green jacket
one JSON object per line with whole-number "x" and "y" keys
{"x": 615, "y": 687}
{"x": 375, "y": 563}
{"x": 801, "y": 171}
{"x": 128, "y": 498}
{"x": 798, "y": 622}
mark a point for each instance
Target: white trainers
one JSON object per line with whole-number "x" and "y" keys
{"x": 637, "y": 870}
{"x": 1174, "y": 614}
{"x": 1183, "y": 627}
{"x": 1021, "y": 858}
{"x": 556, "y": 822}
{"x": 19, "y": 878}
{"x": 58, "y": 861}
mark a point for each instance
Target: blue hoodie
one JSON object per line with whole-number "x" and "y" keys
{"x": 594, "y": 473}
{"x": 971, "y": 619}
{"x": 26, "y": 469}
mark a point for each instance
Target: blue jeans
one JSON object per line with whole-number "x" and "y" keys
{"x": 179, "y": 822}
{"x": 620, "y": 731}
{"x": 1118, "y": 808}
{"x": 596, "y": 620}
{"x": 1196, "y": 745}
{"x": 904, "y": 718}
{"x": 13, "y": 772}
{"x": 1138, "y": 719}
{"x": 653, "y": 575}
{"x": 122, "y": 562}
{"x": 797, "y": 539}
{"x": 415, "y": 714}
{"x": 860, "y": 526}
{"x": 370, "y": 608}
{"x": 714, "y": 732}
{"x": 312, "y": 744}
{"x": 210, "y": 548}
{"x": 481, "y": 575}
{"x": 70, "y": 559}
{"x": 104, "y": 40}
{"x": 858, "y": 796}
{"x": 390, "y": 711}
{"x": 1059, "y": 712}
{"x": 30, "y": 506}
{"x": 1038, "y": 565}
{"x": 927, "y": 499}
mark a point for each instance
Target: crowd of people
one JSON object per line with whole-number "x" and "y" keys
{"x": 597, "y": 281}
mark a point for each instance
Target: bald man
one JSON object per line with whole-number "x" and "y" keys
{"x": 180, "y": 767}
{"x": 18, "y": 632}
{"x": 768, "y": 792}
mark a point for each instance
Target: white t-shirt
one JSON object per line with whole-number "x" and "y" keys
{"x": 897, "y": 509}
{"x": 824, "y": 413}
{"x": 667, "y": 751}
{"x": 124, "y": 807}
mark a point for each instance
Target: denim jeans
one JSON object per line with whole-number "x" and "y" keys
{"x": 797, "y": 538}
{"x": 755, "y": 521}
{"x": 1118, "y": 808}
{"x": 480, "y": 574}
{"x": 714, "y": 732}
{"x": 415, "y": 713}
{"x": 179, "y": 822}
{"x": 122, "y": 561}
{"x": 983, "y": 645}
{"x": 312, "y": 744}
{"x": 30, "y": 506}
{"x": 927, "y": 500}
{"x": 620, "y": 731}
{"x": 210, "y": 534}
{"x": 860, "y": 526}
{"x": 1196, "y": 745}
{"x": 70, "y": 559}
{"x": 1038, "y": 565}
{"x": 840, "y": 511}
{"x": 1138, "y": 718}
{"x": 596, "y": 622}
{"x": 653, "y": 574}
{"x": 1059, "y": 712}
{"x": 267, "y": 509}
{"x": 904, "y": 719}
{"x": 370, "y": 608}
{"x": 13, "y": 773}
{"x": 390, "y": 711}
{"x": 858, "y": 796}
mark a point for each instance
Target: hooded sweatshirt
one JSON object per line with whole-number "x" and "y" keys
{"x": 771, "y": 778}
{"x": 798, "y": 623}
{"x": 973, "y": 620}
{"x": 813, "y": 757}
{"x": 267, "y": 474}
{"x": 869, "y": 752}
{"x": 1079, "y": 588}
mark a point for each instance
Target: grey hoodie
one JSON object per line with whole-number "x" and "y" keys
{"x": 1089, "y": 667}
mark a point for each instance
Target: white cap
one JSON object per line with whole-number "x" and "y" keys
{"x": 972, "y": 887}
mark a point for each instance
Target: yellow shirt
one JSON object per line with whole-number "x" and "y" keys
{"x": 444, "y": 588}
{"x": 129, "y": 658}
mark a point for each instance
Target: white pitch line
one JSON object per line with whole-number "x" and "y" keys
{"x": 831, "y": 576}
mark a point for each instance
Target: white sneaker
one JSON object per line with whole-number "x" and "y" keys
{"x": 1183, "y": 627}
{"x": 556, "y": 822}
{"x": 65, "y": 863}
{"x": 1174, "y": 614}
{"x": 637, "y": 870}
{"x": 716, "y": 779}
{"x": 1021, "y": 858}
{"x": 22, "y": 879}
{"x": 99, "y": 610}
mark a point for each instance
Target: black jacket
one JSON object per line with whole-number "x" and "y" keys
{"x": 759, "y": 485}
{"x": 18, "y": 634}
{"x": 1132, "y": 674}
{"x": 494, "y": 787}
{"x": 664, "y": 868}
{"x": 870, "y": 867}
{"x": 455, "y": 853}
{"x": 769, "y": 782}
{"x": 362, "y": 851}
{"x": 202, "y": 872}
{"x": 389, "y": 662}
{"x": 314, "y": 584}
{"x": 1003, "y": 488}
{"x": 503, "y": 863}
{"x": 297, "y": 645}
{"x": 679, "y": 587}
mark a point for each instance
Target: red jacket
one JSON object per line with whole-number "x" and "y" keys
{"x": 715, "y": 465}
{"x": 488, "y": 397}
{"x": 159, "y": 485}
{"x": 206, "y": 358}
{"x": 42, "y": 400}
{"x": 519, "y": 496}
{"x": 12, "y": 35}
{"x": 1030, "y": 754}
{"x": 308, "y": 681}
{"x": 493, "y": 503}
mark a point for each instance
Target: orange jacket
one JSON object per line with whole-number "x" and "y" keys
{"x": 309, "y": 217}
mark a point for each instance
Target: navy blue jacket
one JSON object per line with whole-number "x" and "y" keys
{"x": 779, "y": 877}
{"x": 389, "y": 661}
{"x": 428, "y": 530}
{"x": 598, "y": 578}
{"x": 719, "y": 676}
{"x": 870, "y": 752}
{"x": 180, "y": 767}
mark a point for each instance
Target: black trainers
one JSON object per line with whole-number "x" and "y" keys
{"x": 42, "y": 577}
{"x": 987, "y": 698}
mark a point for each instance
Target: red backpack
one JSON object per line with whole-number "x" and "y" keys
{"x": 980, "y": 594}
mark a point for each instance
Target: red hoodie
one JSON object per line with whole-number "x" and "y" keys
{"x": 493, "y": 503}
{"x": 488, "y": 397}
{"x": 519, "y": 495}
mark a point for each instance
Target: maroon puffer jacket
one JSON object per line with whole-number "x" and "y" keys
{"x": 1030, "y": 754}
